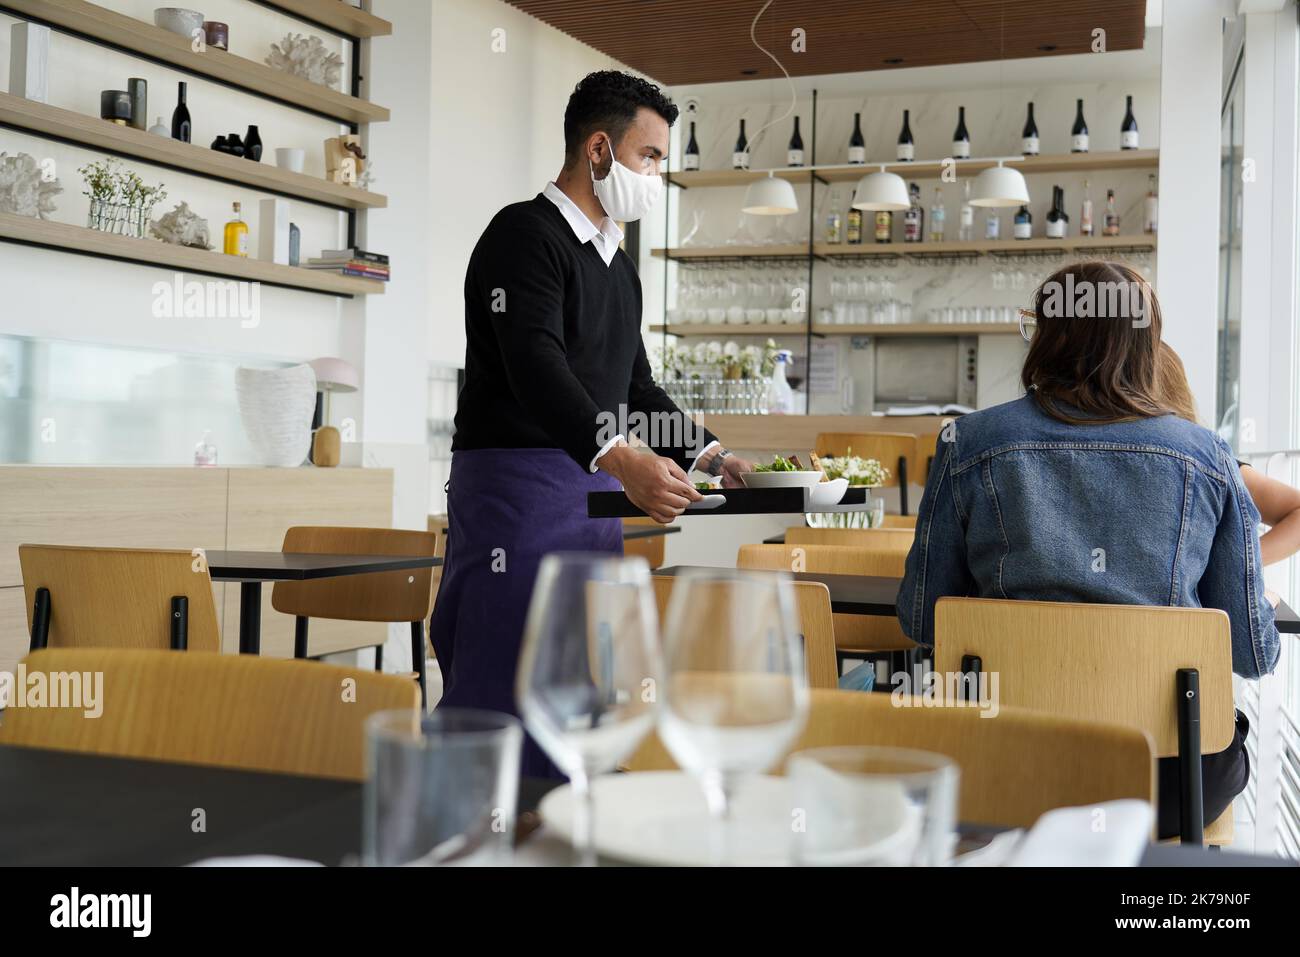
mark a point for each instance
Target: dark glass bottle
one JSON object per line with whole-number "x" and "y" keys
{"x": 960, "y": 136}
{"x": 740, "y": 155}
{"x": 1128, "y": 130}
{"x": 1029, "y": 138}
{"x": 906, "y": 145}
{"x": 253, "y": 145}
{"x": 794, "y": 152}
{"x": 691, "y": 158}
{"x": 181, "y": 126}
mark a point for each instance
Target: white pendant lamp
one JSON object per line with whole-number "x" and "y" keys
{"x": 1000, "y": 186}
{"x": 881, "y": 191}
{"x": 771, "y": 196}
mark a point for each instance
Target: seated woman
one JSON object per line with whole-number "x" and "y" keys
{"x": 1278, "y": 503}
{"x": 1024, "y": 493}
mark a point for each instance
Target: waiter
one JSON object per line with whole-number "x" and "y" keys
{"x": 554, "y": 369}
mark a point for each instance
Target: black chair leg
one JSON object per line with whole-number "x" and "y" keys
{"x": 379, "y": 657}
{"x": 180, "y": 634}
{"x": 1191, "y": 828}
{"x": 41, "y": 620}
{"x": 300, "y": 636}
{"x": 417, "y": 660}
{"x": 902, "y": 485}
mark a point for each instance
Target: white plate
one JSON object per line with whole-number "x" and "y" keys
{"x": 659, "y": 818}
{"x": 780, "y": 479}
{"x": 825, "y": 494}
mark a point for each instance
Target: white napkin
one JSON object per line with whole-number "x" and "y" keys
{"x": 1113, "y": 834}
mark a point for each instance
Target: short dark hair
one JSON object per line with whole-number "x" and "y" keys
{"x": 608, "y": 100}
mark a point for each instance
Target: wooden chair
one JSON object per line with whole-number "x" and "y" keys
{"x": 874, "y": 539}
{"x": 1166, "y": 671}
{"x": 893, "y": 450}
{"x": 118, "y": 598}
{"x": 813, "y": 605}
{"x": 228, "y": 711}
{"x": 926, "y": 448}
{"x": 1014, "y": 767}
{"x": 651, "y": 549}
{"x": 400, "y": 596}
{"x": 900, "y": 521}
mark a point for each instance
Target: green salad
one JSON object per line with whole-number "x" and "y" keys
{"x": 779, "y": 464}
{"x": 703, "y": 487}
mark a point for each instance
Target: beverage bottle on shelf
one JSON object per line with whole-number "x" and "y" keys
{"x": 1085, "y": 213}
{"x": 794, "y": 152}
{"x": 906, "y": 145}
{"x": 937, "y": 217}
{"x": 884, "y": 225}
{"x": 1149, "y": 207}
{"x": 236, "y": 236}
{"x": 960, "y": 137}
{"x": 854, "y": 231}
{"x": 691, "y": 158}
{"x": 780, "y": 395}
{"x": 857, "y": 145}
{"x": 1128, "y": 130}
{"x": 1029, "y": 137}
{"x": 966, "y": 225}
{"x": 1079, "y": 134}
{"x": 834, "y": 221}
{"x": 1058, "y": 223}
{"x": 1111, "y": 227}
{"x": 740, "y": 155}
{"x": 181, "y": 126}
{"x": 914, "y": 217}
{"x": 992, "y": 225}
{"x": 1023, "y": 227}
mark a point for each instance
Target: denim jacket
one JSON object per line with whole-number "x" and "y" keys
{"x": 1147, "y": 512}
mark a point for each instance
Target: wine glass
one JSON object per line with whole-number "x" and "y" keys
{"x": 588, "y": 670}
{"x": 735, "y": 696}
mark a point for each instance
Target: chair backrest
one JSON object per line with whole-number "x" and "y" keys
{"x": 899, "y": 521}
{"x": 1115, "y": 663}
{"x": 887, "y": 539}
{"x": 398, "y": 596}
{"x": 119, "y": 597}
{"x": 651, "y": 549}
{"x": 813, "y": 605}
{"x": 230, "y": 711}
{"x": 1014, "y": 767}
{"x": 885, "y": 447}
{"x": 926, "y": 448}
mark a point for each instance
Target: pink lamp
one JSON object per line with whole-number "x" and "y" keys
{"x": 332, "y": 375}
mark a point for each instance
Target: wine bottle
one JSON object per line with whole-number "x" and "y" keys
{"x": 1058, "y": 222}
{"x": 966, "y": 225}
{"x": 1029, "y": 138}
{"x": 1085, "y": 213}
{"x": 1149, "y": 207}
{"x": 740, "y": 155}
{"x": 884, "y": 225}
{"x": 1128, "y": 130}
{"x": 961, "y": 138}
{"x": 857, "y": 145}
{"x": 937, "y": 217}
{"x": 992, "y": 225}
{"x": 906, "y": 145}
{"x": 913, "y": 217}
{"x": 854, "y": 228}
{"x": 1079, "y": 134}
{"x": 794, "y": 153}
{"x": 1111, "y": 227}
{"x": 1024, "y": 224}
{"x": 181, "y": 126}
{"x": 691, "y": 158}
{"x": 236, "y": 236}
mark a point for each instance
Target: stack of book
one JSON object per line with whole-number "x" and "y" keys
{"x": 353, "y": 262}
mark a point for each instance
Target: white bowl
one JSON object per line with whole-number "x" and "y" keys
{"x": 780, "y": 479}
{"x": 825, "y": 494}
{"x": 178, "y": 20}
{"x": 290, "y": 158}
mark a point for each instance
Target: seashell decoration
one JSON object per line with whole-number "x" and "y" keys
{"x": 306, "y": 57}
{"x": 27, "y": 187}
{"x": 182, "y": 227}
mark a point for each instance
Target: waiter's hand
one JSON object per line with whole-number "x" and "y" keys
{"x": 654, "y": 484}
{"x": 732, "y": 466}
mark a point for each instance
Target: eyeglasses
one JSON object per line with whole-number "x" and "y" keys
{"x": 1028, "y": 323}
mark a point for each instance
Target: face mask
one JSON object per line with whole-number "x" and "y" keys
{"x": 626, "y": 195}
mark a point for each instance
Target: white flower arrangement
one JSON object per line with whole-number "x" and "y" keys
{"x": 728, "y": 361}
{"x": 859, "y": 471}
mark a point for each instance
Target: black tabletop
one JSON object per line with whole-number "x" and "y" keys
{"x": 631, "y": 532}
{"x": 294, "y": 566}
{"x": 871, "y": 595}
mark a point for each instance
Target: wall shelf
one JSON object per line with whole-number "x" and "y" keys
{"x": 99, "y": 25}
{"x": 898, "y": 329}
{"x": 788, "y": 251}
{"x": 341, "y": 17}
{"x": 150, "y": 252}
{"x": 1077, "y": 244}
{"x": 92, "y": 132}
{"x": 726, "y": 329}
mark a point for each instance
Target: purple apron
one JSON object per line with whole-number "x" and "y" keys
{"x": 507, "y": 508}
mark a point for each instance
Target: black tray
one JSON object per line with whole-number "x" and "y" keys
{"x": 740, "y": 501}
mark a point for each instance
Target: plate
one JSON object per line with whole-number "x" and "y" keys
{"x": 659, "y": 818}
{"x": 780, "y": 479}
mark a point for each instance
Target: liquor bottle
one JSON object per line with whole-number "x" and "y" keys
{"x": 966, "y": 225}
{"x": 1149, "y": 207}
{"x": 1029, "y": 138}
{"x": 857, "y": 145}
{"x": 992, "y": 225}
{"x": 740, "y": 155}
{"x": 914, "y": 217}
{"x": 1085, "y": 213}
{"x": 906, "y": 145}
{"x": 794, "y": 152}
{"x": 1079, "y": 134}
{"x": 1058, "y": 223}
{"x": 961, "y": 138}
{"x": 181, "y": 126}
{"x": 1111, "y": 227}
{"x": 1128, "y": 130}
{"x": 834, "y": 221}
{"x": 691, "y": 158}
{"x": 854, "y": 231}
{"x": 236, "y": 237}
{"x": 1024, "y": 224}
{"x": 884, "y": 225}
{"x": 937, "y": 217}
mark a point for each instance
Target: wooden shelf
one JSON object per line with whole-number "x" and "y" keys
{"x": 97, "y": 24}
{"x": 790, "y": 251}
{"x": 977, "y": 248}
{"x": 909, "y": 329}
{"x": 150, "y": 252}
{"x": 92, "y": 132}
{"x": 843, "y": 173}
{"x": 724, "y": 329}
{"x": 338, "y": 16}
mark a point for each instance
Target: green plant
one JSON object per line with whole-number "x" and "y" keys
{"x": 108, "y": 182}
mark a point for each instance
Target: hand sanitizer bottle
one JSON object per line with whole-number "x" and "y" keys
{"x": 205, "y": 453}
{"x": 780, "y": 395}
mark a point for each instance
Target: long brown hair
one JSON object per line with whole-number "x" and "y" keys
{"x": 1171, "y": 380}
{"x": 1098, "y": 332}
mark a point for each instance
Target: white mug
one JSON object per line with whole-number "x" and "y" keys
{"x": 291, "y": 159}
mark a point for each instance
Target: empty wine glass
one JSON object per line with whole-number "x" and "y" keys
{"x": 588, "y": 670}
{"x": 735, "y": 696}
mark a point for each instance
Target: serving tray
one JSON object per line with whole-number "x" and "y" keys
{"x": 739, "y": 501}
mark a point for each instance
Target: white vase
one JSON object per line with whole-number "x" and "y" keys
{"x": 29, "y": 60}
{"x": 276, "y": 407}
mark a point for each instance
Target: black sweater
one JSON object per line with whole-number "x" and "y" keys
{"x": 553, "y": 354}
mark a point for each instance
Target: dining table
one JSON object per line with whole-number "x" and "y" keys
{"x": 251, "y": 569}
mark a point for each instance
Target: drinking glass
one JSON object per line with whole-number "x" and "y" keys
{"x": 875, "y": 513}
{"x": 873, "y": 807}
{"x": 440, "y": 790}
{"x": 588, "y": 670}
{"x": 735, "y": 696}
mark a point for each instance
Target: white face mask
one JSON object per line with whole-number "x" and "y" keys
{"x": 626, "y": 195}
